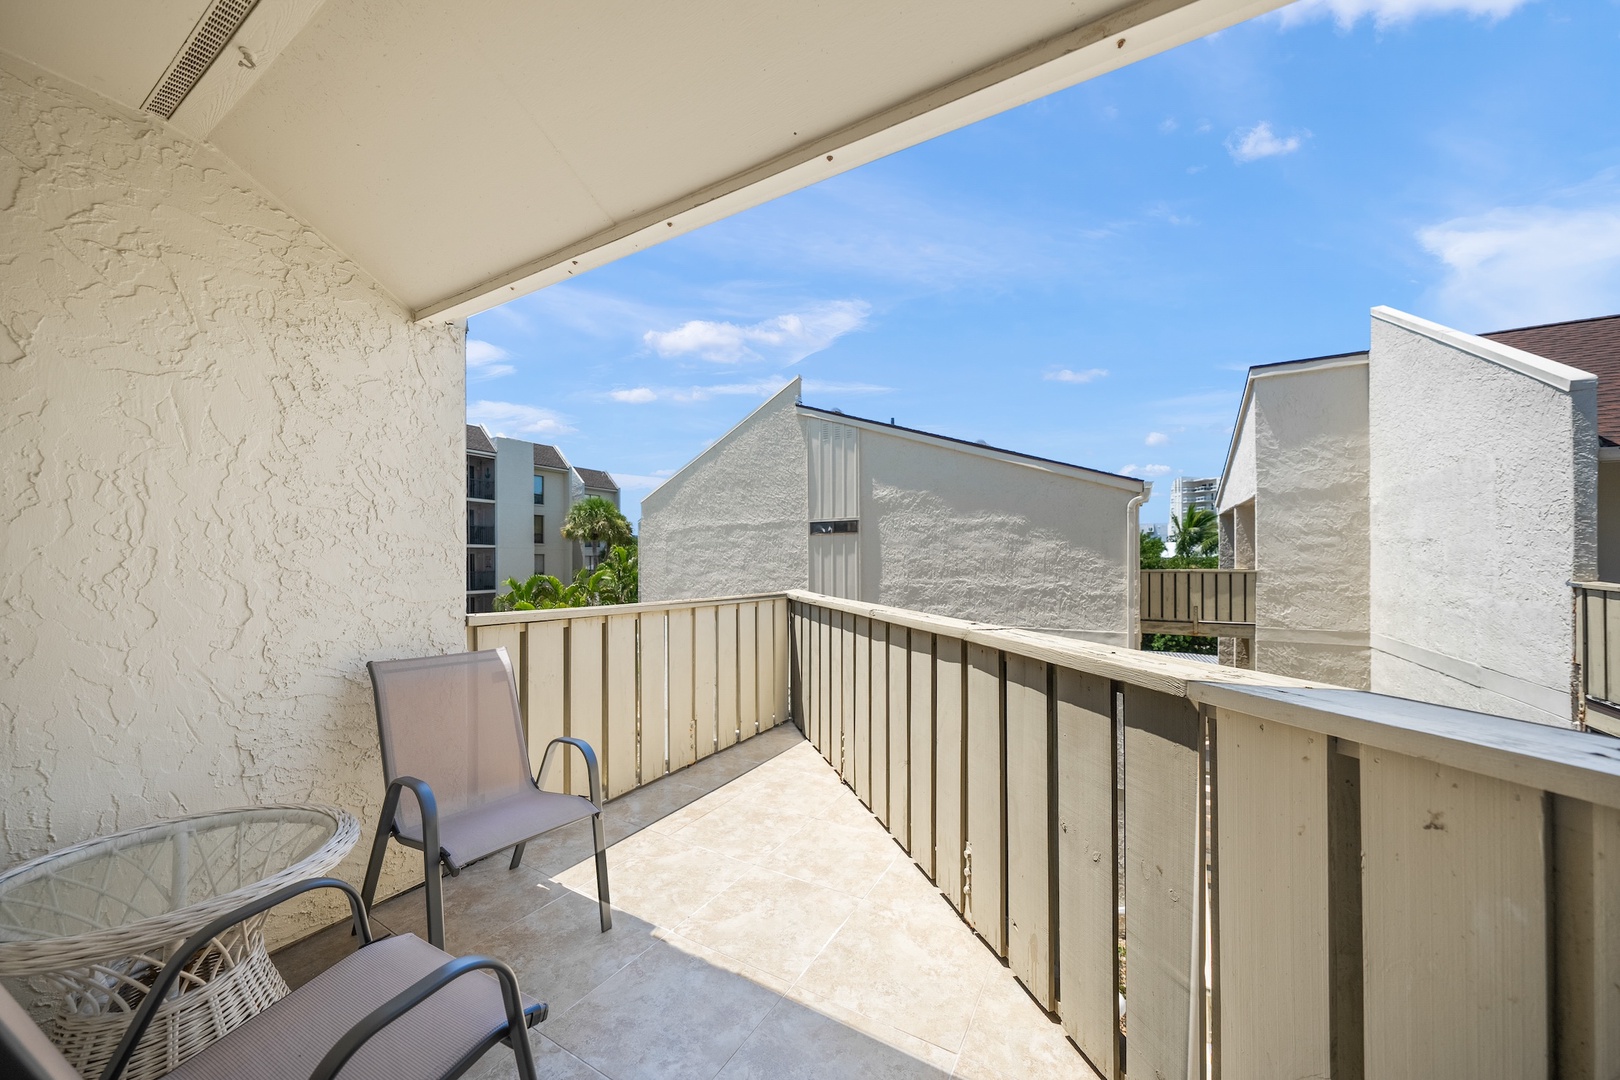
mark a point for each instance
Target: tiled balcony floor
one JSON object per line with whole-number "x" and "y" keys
{"x": 765, "y": 925}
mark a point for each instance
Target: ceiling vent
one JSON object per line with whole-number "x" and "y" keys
{"x": 202, "y": 47}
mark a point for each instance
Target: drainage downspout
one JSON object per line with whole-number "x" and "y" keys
{"x": 1133, "y": 564}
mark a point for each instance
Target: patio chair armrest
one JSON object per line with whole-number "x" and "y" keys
{"x": 199, "y": 941}
{"x": 414, "y": 995}
{"x": 593, "y": 771}
{"x": 425, "y": 801}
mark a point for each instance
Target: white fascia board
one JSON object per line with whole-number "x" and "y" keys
{"x": 1291, "y": 367}
{"x": 709, "y": 451}
{"x": 1077, "y": 472}
{"x": 1556, "y": 375}
{"x": 1134, "y": 32}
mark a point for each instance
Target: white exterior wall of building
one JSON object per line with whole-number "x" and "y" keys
{"x": 733, "y": 521}
{"x": 232, "y": 473}
{"x": 1310, "y": 534}
{"x": 515, "y": 510}
{"x": 1483, "y": 506}
{"x": 558, "y": 553}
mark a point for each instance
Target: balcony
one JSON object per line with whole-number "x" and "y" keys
{"x": 1281, "y": 867}
{"x": 480, "y": 535}
{"x": 1201, "y": 603}
{"x": 482, "y": 488}
{"x": 480, "y": 581}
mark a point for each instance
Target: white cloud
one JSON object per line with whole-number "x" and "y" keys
{"x": 1387, "y": 13}
{"x": 1261, "y": 142}
{"x": 640, "y": 395}
{"x": 1065, "y": 375}
{"x": 1168, "y": 124}
{"x": 633, "y": 482}
{"x": 511, "y": 416}
{"x": 1514, "y": 266}
{"x": 1156, "y": 438}
{"x": 785, "y": 339}
{"x": 1145, "y": 471}
{"x": 762, "y": 388}
{"x": 484, "y": 361}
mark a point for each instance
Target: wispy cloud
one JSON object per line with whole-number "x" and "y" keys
{"x": 484, "y": 361}
{"x": 1387, "y": 13}
{"x": 762, "y": 388}
{"x": 1156, "y": 438}
{"x": 785, "y": 339}
{"x": 1525, "y": 264}
{"x": 1260, "y": 141}
{"x": 1068, "y": 376}
{"x": 510, "y": 416}
{"x": 1204, "y": 409}
{"x": 1146, "y": 471}
{"x": 634, "y": 482}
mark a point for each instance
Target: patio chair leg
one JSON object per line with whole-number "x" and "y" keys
{"x": 601, "y": 874}
{"x": 431, "y": 873}
{"x": 517, "y": 855}
{"x": 379, "y": 848}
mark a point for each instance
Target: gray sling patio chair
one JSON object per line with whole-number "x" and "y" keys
{"x": 452, "y": 734}
{"x": 395, "y": 1009}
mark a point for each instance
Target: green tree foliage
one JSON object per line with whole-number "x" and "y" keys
{"x": 1154, "y": 558}
{"x": 1152, "y": 551}
{"x": 1196, "y": 533}
{"x": 616, "y": 581}
{"x": 594, "y": 521}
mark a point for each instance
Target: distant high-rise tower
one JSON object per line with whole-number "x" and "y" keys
{"x": 1189, "y": 493}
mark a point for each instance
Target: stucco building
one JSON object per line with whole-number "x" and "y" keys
{"x": 800, "y": 497}
{"x": 1417, "y": 511}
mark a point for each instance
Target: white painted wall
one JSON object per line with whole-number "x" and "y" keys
{"x": 515, "y": 510}
{"x": 1483, "y": 505}
{"x": 733, "y": 521}
{"x": 231, "y": 472}
{"x": 1310, "y": 529}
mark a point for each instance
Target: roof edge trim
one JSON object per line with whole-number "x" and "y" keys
{"x": 1558, "y": 376}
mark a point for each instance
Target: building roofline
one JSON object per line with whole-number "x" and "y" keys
{"x": 1550, "y": 372}
{"x": 999, "y": 453}
{"x": 795, "y": 385}
{"x": 1550, "y": 325}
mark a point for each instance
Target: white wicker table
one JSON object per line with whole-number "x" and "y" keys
{"x": 92, "y": 925}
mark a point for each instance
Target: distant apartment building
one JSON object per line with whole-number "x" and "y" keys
{"x": 1414, "y": 513}
{"x": 1190, "y": 493}
{"x": 518, "y": 494}
{"x": 796, "y": 497}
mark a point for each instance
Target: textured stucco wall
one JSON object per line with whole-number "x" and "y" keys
{"x": 1311, "y": 542}
{"x": 1609, "y": 520}
{"x": 733, "y": 521}
{"x": 953, "y": 533}
{"x": 1484, "y": 500}
{"x": 232, "y": 473}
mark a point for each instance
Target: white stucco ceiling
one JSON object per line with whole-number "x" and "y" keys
{"x": 465, "y": 153}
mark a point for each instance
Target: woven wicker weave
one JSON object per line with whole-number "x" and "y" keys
{"x": 93, "y": 924}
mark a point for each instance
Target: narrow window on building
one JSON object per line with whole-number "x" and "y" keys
{"x": 539, "y": 491}
{"x": 539, "y": 528}
{"x": 540, "y": 563}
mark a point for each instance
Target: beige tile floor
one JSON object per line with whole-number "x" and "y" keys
{"x": 765, "y": 925}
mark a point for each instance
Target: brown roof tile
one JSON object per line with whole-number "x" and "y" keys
{"x": 1589, "y": 344}
{"x": 478, "y": 441}
{"x": 596, "y": 478}
{"x": 549, "y": 457}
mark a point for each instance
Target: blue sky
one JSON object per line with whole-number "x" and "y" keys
{"x": 1087, "y": 277}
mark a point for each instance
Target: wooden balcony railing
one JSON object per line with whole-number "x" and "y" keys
{"x": 1597, "y": 656}
{"x": 1385, "y": 887}
{"x": 654, "y": 687}
{"x": 1207, "y": 603}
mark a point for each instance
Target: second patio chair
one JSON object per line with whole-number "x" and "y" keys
{"x": 452, "y": 734}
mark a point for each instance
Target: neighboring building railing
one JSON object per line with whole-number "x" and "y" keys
{"x": 653, "y": 687}
{"x": 1597, "y": 656}
{"x": 482, "y": 488}
{"x": 480, "y": 580}
{"x": 480, "y": 534}
{"x": 1386, "y": 887}
{"x": 1206, "y": 603}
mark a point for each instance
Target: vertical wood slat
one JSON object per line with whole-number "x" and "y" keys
{"x": 1594, "y": 652}
{"x": 1029, "y": 830}
{"x": 1088, "y": 859}
{"x": 861, "y": 757}
{"x": 681, "y": 689}
{"x": 1163, "y": 884}
{"x": 1610, "y": 622}
{"x": 1586, "y": 898}
{"x": 654, "y": 687}
{"x": 725, "y": 655}
{"x": 618, "y": 751}
{"x": 705, "y": 680}
{"x": 986, "y": 776}
{"x": 747, "y": 671}
{"x": 922, "y": 751}
{"x": 899, "y": 747}
{"x": 949, "y": 796}
{"x": 781, "y": 682}
{"x": 586, "y": 669}
{"x": 765, "y": 664}
{"x": 1454, "y": 912}
{"x": 796, "y": 674}
{"x": 880, "y": 721}
{"x": 846, "y": 696}
{"x": 545, "y": 715}
{"x": 1272, "y": 850}
{"x": 820, "y": 678}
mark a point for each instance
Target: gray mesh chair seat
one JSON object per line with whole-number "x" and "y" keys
{"x": 483, "y": 830}
{"x": 452, "y": 737}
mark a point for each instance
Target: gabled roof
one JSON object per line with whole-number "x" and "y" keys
{"x": 478, "y": 440}
{"x": 1589, "y": 344}
{"x": 596, "y": 478}
{"x": 549, "y": 457}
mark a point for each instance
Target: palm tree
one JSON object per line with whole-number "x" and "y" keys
{"x": 618, "y": 579}
{"x": 1197, "y": 532}
{"x": 594, "y": 521}
{"x": 538, "y": 592}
